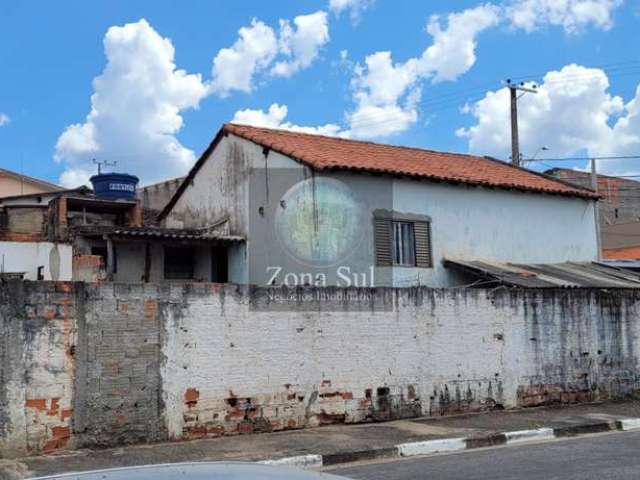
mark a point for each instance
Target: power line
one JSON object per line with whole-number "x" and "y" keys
{"x": 590, "y": 157}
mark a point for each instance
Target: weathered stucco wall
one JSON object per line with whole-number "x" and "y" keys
{"x": 107, "y": 364}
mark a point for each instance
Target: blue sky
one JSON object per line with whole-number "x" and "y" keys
{"x": 321, "y": 62}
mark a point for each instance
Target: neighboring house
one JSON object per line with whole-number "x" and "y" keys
{"x": 323, "y": 210}
{"x": 619, "y": 211}
{"x": 77, "y": 235}
{"x": 154, "y": 197}
{"x": 13, "y": 183}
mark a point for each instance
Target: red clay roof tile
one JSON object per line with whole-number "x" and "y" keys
{"x": 323, "y": 153}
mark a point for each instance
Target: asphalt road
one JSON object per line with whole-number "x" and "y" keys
{"x": 610, "y": 456}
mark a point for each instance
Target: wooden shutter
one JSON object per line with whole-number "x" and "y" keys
{"x": 422, "y": 233}
{"x": 382, "y": 242}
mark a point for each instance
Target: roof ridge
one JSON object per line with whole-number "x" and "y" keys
{"x": 31, "y": 179}
{"x": 352, "y": 140}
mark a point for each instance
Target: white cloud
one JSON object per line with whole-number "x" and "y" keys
{"x": 572, "y": 112}
{"x": 355, "y": 6}
{"x": 235, "y": 67}
{"x": 4, "y": 119}
{"x": 274, "y": 118}
{"x": 135, "y": 110}
{"x": 453, "y": 49}
{"x": 386, "y": 94}
{"x": 301, "y": 44}
{"x": 259, "y": 49}
{"x": 572, "y": 15}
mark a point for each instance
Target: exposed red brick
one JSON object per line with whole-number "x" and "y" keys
{"x": 150, "y": 309}
{"x": 55, "y": 444}
{"x": 215, "y": 430}
{"x": 66, "y": 413}
{"x": 245, "y": 427}
{"x": 346, "y": 395}
{"x": 191, "y": 397}
{"x": 61, "y": 432}
{"x": 37, "y": 403}
{"x": 53, "y": 411}
{"x": 325, "y": 418}
{"x": 192, "y": 432}
{"x": 21, "y": 237}
{"x": 64, "y": 287}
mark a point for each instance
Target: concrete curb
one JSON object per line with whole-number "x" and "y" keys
{"x": 443, "y": 445}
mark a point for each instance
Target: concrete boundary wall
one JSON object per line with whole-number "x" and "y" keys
{"x": 108, "y": 364}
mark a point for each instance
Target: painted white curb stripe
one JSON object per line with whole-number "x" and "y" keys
{"x": 629, "y": 423}
{"x": 431, "y": 446}
{"x": 301, "y": 461}
{"x": 523, "y": 436}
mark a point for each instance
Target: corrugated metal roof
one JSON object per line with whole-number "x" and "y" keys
{"x": 162, "y": 233}
{"x": 176, "y": 234}
{"x": 551, "y": 275}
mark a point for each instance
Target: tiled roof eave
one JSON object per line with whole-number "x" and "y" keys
{"x": 454, "y": 180}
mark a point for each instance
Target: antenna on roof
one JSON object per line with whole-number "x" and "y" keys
{"x": 103, "y": 163}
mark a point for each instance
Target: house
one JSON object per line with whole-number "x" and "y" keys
{"x": 13, "y": 183}
{"x": 619, "y": 211}
{"x": 83, "y": 235}
{"x": 154, "y": 197}
{"x": 328, "y": 211}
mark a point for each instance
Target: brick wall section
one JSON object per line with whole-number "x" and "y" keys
{"x": 107, "y": 364}
{"x": 118, "y": 386}
{"x": 37, "y": 366}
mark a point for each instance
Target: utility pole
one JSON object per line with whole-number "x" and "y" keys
{"x": 513, "y": 93}
{"x": 596, "y": 207}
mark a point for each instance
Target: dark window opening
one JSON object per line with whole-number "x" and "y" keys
{"x": 219, "y": 265}
{"x": 40, "y": 272}
{"x": 403, "y": 244}
{"x": 179, "y": 263}
{"x": 102, "y": 252}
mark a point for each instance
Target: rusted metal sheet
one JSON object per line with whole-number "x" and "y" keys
{"x": 161, "y": 233}
{"x": 553, "y": 275}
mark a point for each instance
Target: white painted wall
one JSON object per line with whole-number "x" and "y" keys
{"x": 458, "y": 350}
{"x": 28, "y": 256}
{"x": 496, "y": 225}
{"x": 475, "y": 223}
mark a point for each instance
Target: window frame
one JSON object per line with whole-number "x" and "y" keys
{"x": 384, "y": 239}
{"x": 407, "y": 247}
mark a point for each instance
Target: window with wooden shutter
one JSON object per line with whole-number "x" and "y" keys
{"x": 402, "y": 240}
{"x": 382, "y": 242}
{"x": 422, "y": 234}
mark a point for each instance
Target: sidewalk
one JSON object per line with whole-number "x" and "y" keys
{"x": 343, "y": 443}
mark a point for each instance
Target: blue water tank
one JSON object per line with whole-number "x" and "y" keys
{"x": 115, "y": 185}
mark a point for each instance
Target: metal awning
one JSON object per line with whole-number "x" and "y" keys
{"x": 151, "y": 233}
{"x": 547, "y": 275}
